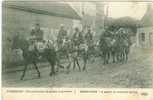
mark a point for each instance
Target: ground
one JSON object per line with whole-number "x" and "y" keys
{"x": 135, "y": 73}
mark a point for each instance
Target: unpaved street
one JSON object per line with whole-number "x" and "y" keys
{"x": 137, "y": 72}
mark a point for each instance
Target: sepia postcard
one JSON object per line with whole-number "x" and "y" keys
{"x": 77, "y": 50}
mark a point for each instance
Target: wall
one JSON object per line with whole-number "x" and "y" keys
{"x": 148, "y": 37}
{"x": 14, "y": 21}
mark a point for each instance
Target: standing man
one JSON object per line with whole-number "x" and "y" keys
{"x": 37, "y": 33}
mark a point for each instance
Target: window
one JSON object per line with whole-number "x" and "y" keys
{"x": 143, "y": 36}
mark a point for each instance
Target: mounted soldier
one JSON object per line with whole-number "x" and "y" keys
{"x": 37, "y": 33}
{"x": 90, "y": 42}
{"x": 61, "y": 36}
{"x": 77, "y": 37}
{"x": 76, "y": 41}
{"x": 89, "y": 37}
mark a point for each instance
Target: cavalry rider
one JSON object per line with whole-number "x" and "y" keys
{"x": 89, "y": 40}
{"x": 37, "y": 33}
{"x": 77, "y": 37}
{"x": 89, "y": 37}
{"x": 36, "y": 39}
{"x": 61, "y": 35}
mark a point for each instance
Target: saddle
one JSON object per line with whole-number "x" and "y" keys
{"x": 31, "y": 47}
{"x": 40, "y": 46}
{"x": 83, "y": 47}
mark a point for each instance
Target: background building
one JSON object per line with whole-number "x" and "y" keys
{"x": 92, "y": 14}
{"x": 21, "y": 16}
{"x": 145, "y": 32}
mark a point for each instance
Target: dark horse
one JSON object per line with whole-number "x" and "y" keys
{"x": 105, "y": 49}
{"x": 32, "y": 56}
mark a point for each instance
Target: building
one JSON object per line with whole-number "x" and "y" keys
{"x": 92, "y": 14}
{"x": 21, "y": 17}
{"x": 145, "y": 31}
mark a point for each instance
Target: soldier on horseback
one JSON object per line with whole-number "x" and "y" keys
{"x": 89, "y": 41}
{"x": 37, "y": 33}
{"x": 35, "y": 47}
{"x": 61, "y": 36}
{"x": 29, "y": 48}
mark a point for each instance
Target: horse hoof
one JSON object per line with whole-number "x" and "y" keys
{"x": 51, "y": 74}
{"x": 67, "y": 72}
{"x": 84, "y": 69}
{"x": 38, "y": 76}
{"x": 21, "y": 78}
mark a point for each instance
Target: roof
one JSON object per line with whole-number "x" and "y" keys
{"x": 147, "y": 18}
{"x": 47, "y": 8}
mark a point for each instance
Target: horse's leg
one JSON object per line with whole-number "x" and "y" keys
{"x": 124, "y": 55}
{"x": 59, "y": 64}
{"x": 77, "y": 62}
{"x": 108, "y": 57}
{"x": 36, "y": 67}
{"x": 85, "y": 61}
{"x": 127, "y": 53}
{"x": 52, "y": 72}
{"x": 74, "y": 63}
{"x": 104, "y": 56}
{"x": 113, "y": 55}
{"x": 118, "y": 56}
{"x": 24, "y": 71}
{"x": 69, "y": 65}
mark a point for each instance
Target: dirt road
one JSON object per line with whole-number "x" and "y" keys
{"x": 137, "y": 72}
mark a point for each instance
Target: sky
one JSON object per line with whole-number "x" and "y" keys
{"x": 135, "y": 10}
{"x": 132, "y": 9}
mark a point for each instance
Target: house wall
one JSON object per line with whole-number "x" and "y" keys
{"x": 14, "y": 21}
{"x": 148, "y": 37}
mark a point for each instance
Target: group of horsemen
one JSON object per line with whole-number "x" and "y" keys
{"x": 81, "y": 45}
{"x": 65, "y": 46}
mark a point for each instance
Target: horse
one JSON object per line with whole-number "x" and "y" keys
{"x": 120, "y": 49}
{"x": 31, "y": 55}
{"x": 126, "y": 49}
{"x": 105, "y": 48}
{"x": 46, "y": 50}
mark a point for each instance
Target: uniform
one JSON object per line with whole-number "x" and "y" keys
{"x": 38, "y": 34}
{"x": 89, "y": 38}
{"x": 61, "y": 35}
